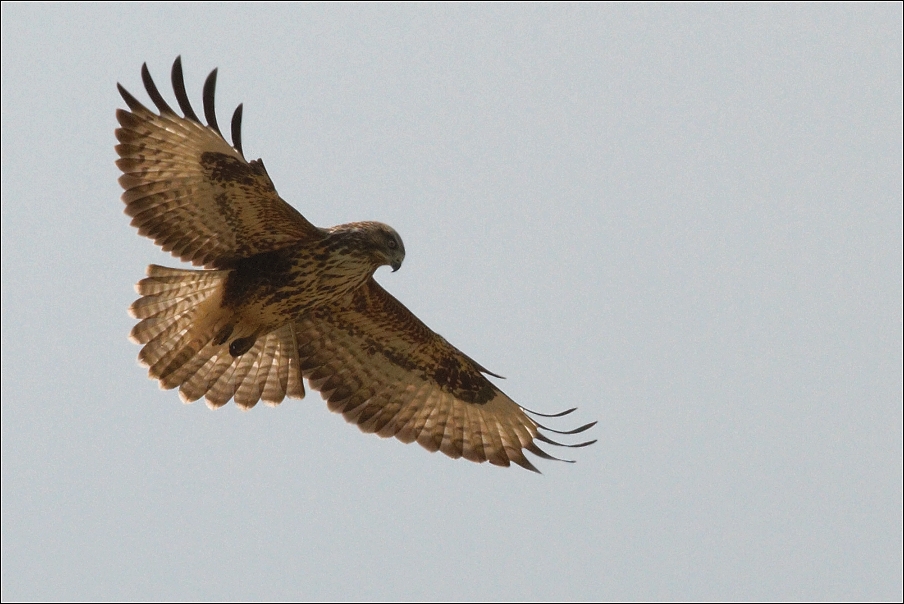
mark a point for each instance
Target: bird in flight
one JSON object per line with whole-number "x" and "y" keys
{"x": 279, "y": 300}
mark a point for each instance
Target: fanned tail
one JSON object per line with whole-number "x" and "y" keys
{"x": 181, "y": 320}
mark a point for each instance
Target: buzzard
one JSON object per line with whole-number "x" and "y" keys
{"x": 279, "y": 300}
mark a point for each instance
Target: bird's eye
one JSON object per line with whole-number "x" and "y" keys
{"x": 392, "y": 244}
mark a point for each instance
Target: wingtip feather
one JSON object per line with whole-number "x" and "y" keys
{"x": 155, "y": 95}
{"x": 210, "y": 88}
{"x": 178, "y": 80}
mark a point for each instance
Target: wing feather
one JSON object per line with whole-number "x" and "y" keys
{"x": 453, "y": 435}
{"x": 384, "y": 370}
{"x": 181, "y": 94}
{"x": 191, "y": 191}
{"x": 210, "y": 111}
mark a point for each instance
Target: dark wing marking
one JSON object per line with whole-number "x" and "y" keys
{"x": 190, "y": 191}
{"x": 383, "y": 369}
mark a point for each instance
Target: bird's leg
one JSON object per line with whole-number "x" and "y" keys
{"x": 223, "y": 335}
{"x": 240, "y": 346}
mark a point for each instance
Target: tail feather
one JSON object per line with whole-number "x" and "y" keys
{"x": 267, "y": 363}
{"x": 183, "y": 348}
{"x": 244, "y": 368}
{"x": 284, "y": 378}
{"x": 154, "y": 306}
{"x": 180, "y": 376}
{"x": 165, "y": 336}
{"x": 221, "y": 390}
{"x": 148, "y": 329}
{"x": 162, "y": 279}
{"x": 180, "y": 316}
{"x": 268, "y": 371}
{"x": 198, "y": 385}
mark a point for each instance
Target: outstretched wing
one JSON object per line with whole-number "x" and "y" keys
{"x": 189, "y": 190}
{"x": 383, "y": 369}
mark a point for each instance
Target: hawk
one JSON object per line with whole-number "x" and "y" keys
{"x": 279, "y": 300}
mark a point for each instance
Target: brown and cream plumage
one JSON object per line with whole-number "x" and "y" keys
{"x": 279, "y": 300}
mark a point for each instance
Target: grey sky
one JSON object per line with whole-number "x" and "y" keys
{"x": 685, "y": 220}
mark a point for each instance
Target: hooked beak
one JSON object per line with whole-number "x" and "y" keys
{"x": 396, "y": 266}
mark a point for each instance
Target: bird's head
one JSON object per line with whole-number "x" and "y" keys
{"x": 393, "y": 247}
{"x": 389, "y": 245}
{"x": 380, "y": 242}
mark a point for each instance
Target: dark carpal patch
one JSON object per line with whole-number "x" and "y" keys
{"x": 226, "y": 169}
{"x": 466, "y": 383}
{"x": 227, "y": 209}
{"x": 463, "y": 381}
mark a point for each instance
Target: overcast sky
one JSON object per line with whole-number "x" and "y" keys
{"x": 684, "y": 220}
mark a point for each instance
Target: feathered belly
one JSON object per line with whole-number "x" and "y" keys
{"x": 268, "y": 291}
